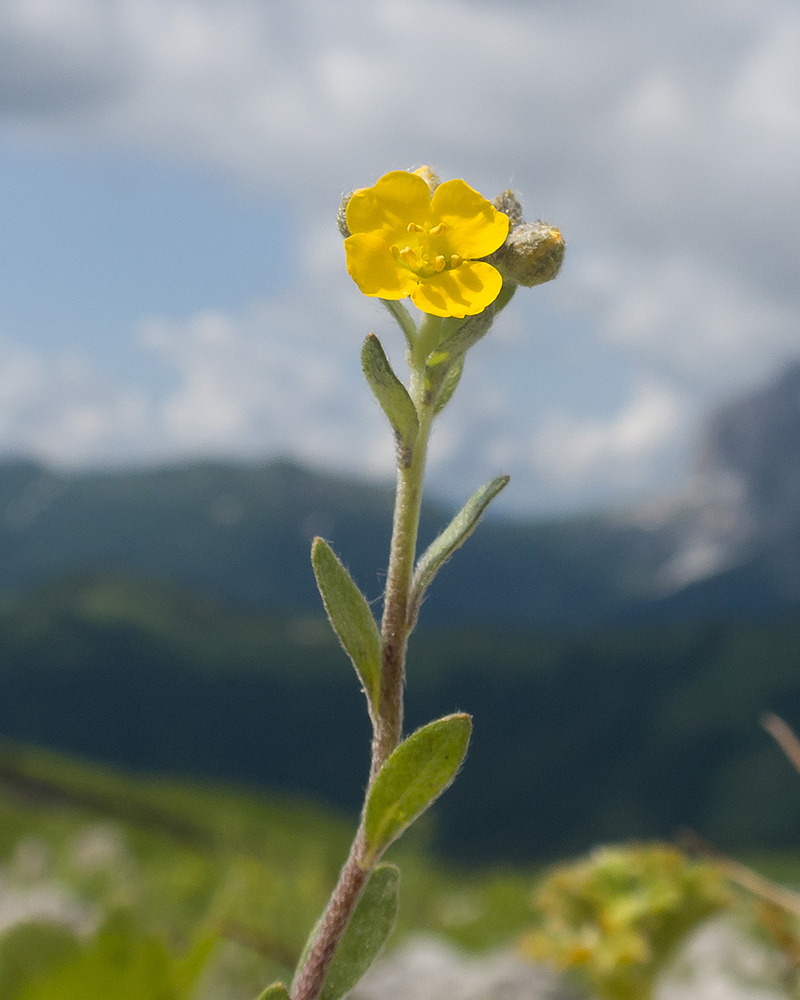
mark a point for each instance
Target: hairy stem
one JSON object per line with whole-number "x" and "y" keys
{"x": 333, "y": 924}
{"x": 396, "y": 627}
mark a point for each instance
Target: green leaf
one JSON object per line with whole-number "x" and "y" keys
{"x": 275, "y": 991}
{"x": 301, "y": 962}
{"x": 449, "y": 384}
{"x": 186, "y": 971}
{"x": 413, "y": 777}
{"x": 473, "y": 329}
{"x": 115, "y": 965}
{"x": 369, "y": 927}
{"x": 390, "y": 393}
{"x": 30, "y": 950}
{"x": 452, "y": 538}
{"x": 351, "y": 618}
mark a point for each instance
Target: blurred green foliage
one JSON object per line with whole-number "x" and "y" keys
{"x": 194, "y": 891}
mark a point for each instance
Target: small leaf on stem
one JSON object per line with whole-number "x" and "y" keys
{"x": 413, "y": 777}
{"x": 351, "y": 618}
{"x": 390, "y": 393}
{"x": 467, "y": 334}
{"x": 452, "y": 538}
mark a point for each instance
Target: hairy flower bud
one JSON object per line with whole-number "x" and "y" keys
{"x": 509, "y": 204}
{"x": 341, "y": 215}
{"x": 430, "y": 177}
{"x": 531, "y": 255}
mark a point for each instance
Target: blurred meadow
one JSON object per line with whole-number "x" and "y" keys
{"x": 183, "y": 749}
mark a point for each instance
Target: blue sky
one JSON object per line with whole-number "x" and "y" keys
{"x": 172, "y": 283}
{"x": 91, "y": 243}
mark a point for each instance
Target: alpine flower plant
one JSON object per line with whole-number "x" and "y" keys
{"x": 459, "y": 258}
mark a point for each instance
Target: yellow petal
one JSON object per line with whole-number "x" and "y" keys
{"x": 372, "y": 267}
{"x": 474, "y": 226}
{"x": 395, "y": 200}
{"x": 465, "y": 291}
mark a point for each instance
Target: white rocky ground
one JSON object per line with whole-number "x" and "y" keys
{"x": 718, "y": 963}
{"x": 430, "y": 969}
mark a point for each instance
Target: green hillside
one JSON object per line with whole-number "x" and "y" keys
{"x": 580, "y": 736}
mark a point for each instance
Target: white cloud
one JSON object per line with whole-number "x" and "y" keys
{"x": 622, "y": 448}
{"x": 688, "y": 316}
{"x": 262, "y": 382}
{"x": 247, "y": 385}
{"x": 62, "y": 410}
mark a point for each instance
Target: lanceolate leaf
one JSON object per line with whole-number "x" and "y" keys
{"x": 369, "y": 927}
{"x": 390, "y": 393}
{"x": 452, "y": 538}
{"x": 413, "y": 777}
{"x": 351, "y": 618}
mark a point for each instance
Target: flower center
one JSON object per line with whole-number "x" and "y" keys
{"x": 427, "y": 251}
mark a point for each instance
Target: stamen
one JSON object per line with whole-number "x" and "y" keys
{"x": 414, "y": 227}
{"x": 455, "y": 260}
{"x": 394, "y": 252}
{"x": 439, "y": 263}
{"x": 438, "y": 230}
{"x": 408, "y": 257}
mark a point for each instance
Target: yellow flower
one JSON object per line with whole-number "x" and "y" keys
{"x": 406, "y": 240}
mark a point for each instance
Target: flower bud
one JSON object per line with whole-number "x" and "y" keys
{"x": 430, "y": 177}
{"x": 531, "y": 255}
{"x": 509, "y": 204}
{"x": 341, "y": 215}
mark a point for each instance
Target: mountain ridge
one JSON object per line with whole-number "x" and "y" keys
{"x": 729, "y": 544}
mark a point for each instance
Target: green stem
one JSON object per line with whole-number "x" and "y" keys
{"x": 396, "y": 627}
{"x": 333, "y": 924}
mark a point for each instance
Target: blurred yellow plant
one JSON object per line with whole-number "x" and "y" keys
{"x": 616, "y": 916}
{"x": 406, "y": 239}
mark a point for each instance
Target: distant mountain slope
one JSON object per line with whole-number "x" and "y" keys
{"x": 242, "y": 534}
{"x": 733, "y": 537}
{"x": 729, "y": 545}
